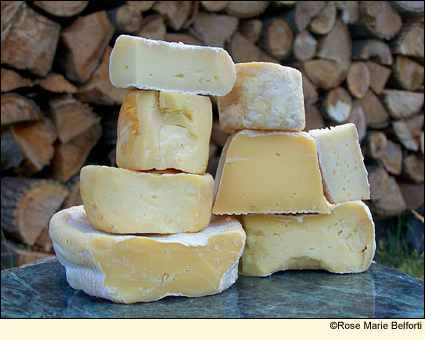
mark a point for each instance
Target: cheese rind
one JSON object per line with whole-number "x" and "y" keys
{"x": 344, "y": 174}
{"x": 134, "y": 268}
{"x": 266, "y": 96}
{"x": 121, "y": 201}
{"x": 167, "y": 66}
{"x": 162, "y": 130}
{"x": 269, "y": 172}
{"x": 340, "y": 242}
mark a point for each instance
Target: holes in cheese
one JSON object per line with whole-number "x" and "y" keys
{"x": 252, "y": 178}
{"x": 136, "y": 268}
{"x": 340, "y": 242}
{"x": 266, "y": 96}
{"x": 161, "y": 130}
{"x": 122, "y": 201}
{"x": 176, "y": 67}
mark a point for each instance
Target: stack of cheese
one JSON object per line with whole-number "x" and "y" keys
{"x": 297, "y": 194}
{"x": 145, "y": 229}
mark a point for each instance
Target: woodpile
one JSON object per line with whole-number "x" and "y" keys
{"x": 362, "y": 62}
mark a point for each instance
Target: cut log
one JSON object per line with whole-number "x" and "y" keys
{"x": 213, "y": 29}
{"x": 313, "y": 118}
{"x": 71, "y": 117}
{"x": 413, "y": 195}
{"x": 71, "y": 156}
{"x": 410, "y": 42}
{"x": 183, "y": 37}
{"x": 74, "y": 197}
{"x": 242, "y": 50}
{"x": 214, "y": 6}
{"x": 311, "y": 95}
{"x": 305, "y": 11}
{"x": 410, "y": 11}
{"x": 276, "y": 38}
{"x": 378, "y": 181}
{"x": 44, "y": 243}
{"x": 246, "y": 9}
{"x": 142, "y": 6}
{"x": 35, "y": 141}
{"x": 336, "y": 45}
{"x": 126, "y": 18}
{"x": 325, "y": 20}
{"x": 407, "y": 74}
{"x": 392, "y": 159}
{"x": 376, "y": 144}
{"x": 358, "y": 79}
{"x": 373, "y": 50}
{"x": 251, "y": 29}
{"x": 153, "y": 27}
{"x": 409, "y": 131}
{"x": 392, "y": 202}
{"x": 337, "y": 105}
{"x": 99, "y": 90}
{"x": 27, "y": 206}
{"x": 85, "y": 42}
{"x": 56, "y": 83}
{"x": 304, "y": 46}
{"x": 62, "y": 8}
{"x": 16, "y": 108}
{"x": 357, "y": 117}
{"x": 376, "y": 115}
{"x": 413, "y": 168}
{"x": 16, "y": 255}
{"x": 325, "y": 74}
{"x": 379, "y": 76}
{"x": 402, "y": 104}
{"x": 350, "y": 11}
{"x": 176, "y": 13}
{"x": 10, "y": 155}
{"x": 28, "y": 39}
{"x": 11, "y": 80}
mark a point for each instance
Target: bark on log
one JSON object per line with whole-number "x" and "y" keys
{"x": 338, "y": 105}
{"x": 16, "y": 255}
{"x": 402, "y": 104}
{"x": 251, "y": 29}
{"x": 126, "y": 18}
{"x": 392, "y": 159}
{"x": 392, "y": 201}
{"x": 410, "y": 42}
{"x": 373, "y": 50}
{"x": 62, "y": 8}
{"x": 358, "y": 79}
{"x": 376, "y": 144}
{"x": 242, "y": 50}
{"x": 357, "y": 117}
{"x": 413, "y": 168}
{"x": 10, "y": 155}
{"x": 349, "y": 11}
{"x": 409, "y": 131}
{"x": 378, "y": 181}
{"x": 407, "y": 74}
{"x": 276, "y": 38}
{"x": 16, "y": 108}
{"x": 74, "y": 197}
{"x": 413, "y": 195}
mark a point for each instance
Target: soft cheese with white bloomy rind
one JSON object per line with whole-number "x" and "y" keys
{"x": 167, "y": 66}
{"x": 340, "y": 242}
{"x": 269, "y": 172}
{"x": 266, "y": 96}
{"x": 136, "y": 268}
{"x": 163, "y": 130}
{"x": 122, "y": 201}
{"x": 341, "y": 162}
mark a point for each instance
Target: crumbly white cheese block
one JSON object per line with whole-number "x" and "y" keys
{"x": 136, "y": 268}
{"x": 340, "y": 242}
{"x": 122, "y": 201}
{"x": 266, "y": 96}
{"x": 269, "y": 172}
{"x": 168, "y": 66}
{"x": 163, "y": 130}
{"x": 341, "y": 162}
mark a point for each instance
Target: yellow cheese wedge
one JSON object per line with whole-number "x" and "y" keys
{"x": 340, "y": 242}
{"x": 161, "y": 130}
{"x": 136, "y": 268}
{"x": 167, "y": 66}
{"x": 341, "y": 163}
{"x": 266, "y": 96}
{"x": 269, "y": 172}
{"x": 121, "y": 201}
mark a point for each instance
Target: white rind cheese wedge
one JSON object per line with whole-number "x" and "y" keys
{"x": 133, "y": 268}
{"x": 267, "y": 172}
{"x": 341, "y": 162}
{"x": 164, "y": 130}
{"x": 167, "y": 66}
{"x": 121, "y": 201}
{"x": 266, "y": 96}
{"x": 340, "y": 242}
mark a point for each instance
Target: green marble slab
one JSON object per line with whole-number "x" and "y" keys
{"x": 41, "y": 291}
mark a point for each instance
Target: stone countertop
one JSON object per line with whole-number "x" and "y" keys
{"x": 41, "y": 291}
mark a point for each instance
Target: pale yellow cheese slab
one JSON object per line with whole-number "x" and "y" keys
{"x": 269, "y": 172}
{"x": 341, "y": 162}
{"x": 148, "y": 64}
{"x": 340, "y": 242}
{"x": 122, "y": 201}
{"x": 266, "y": 96}
{"x": 163, "y": 130}
{"x": 135, "y": 268}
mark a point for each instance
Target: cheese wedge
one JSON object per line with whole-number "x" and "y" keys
{"x": 341, "y": 162}
{"x": 121, "y": 201}
{"x": 136, "y": 268}
{"x": 266, "y": 96}
{"x": 269, "y": 172}
{"x": 167, "y": 66}
{"x": 162, "y": 130}
{"x": 340, "y": 242}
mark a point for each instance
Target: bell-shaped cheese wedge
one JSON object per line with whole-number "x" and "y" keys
{"x": 266, "y": 96}
{"x": 138, "y": 268}
{"x": 167, "y": 66}
{"x": 340, "y": 242}
{"x": 122, "y": 201}
{"x": 163, "y": 130}
{"x": 268, "y": 172}
{"x": 341, "y": 163}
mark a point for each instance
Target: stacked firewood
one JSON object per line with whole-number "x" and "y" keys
{"x": 362, "y": 62}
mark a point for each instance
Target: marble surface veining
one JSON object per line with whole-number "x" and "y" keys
{"x": 41, "y": 291}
